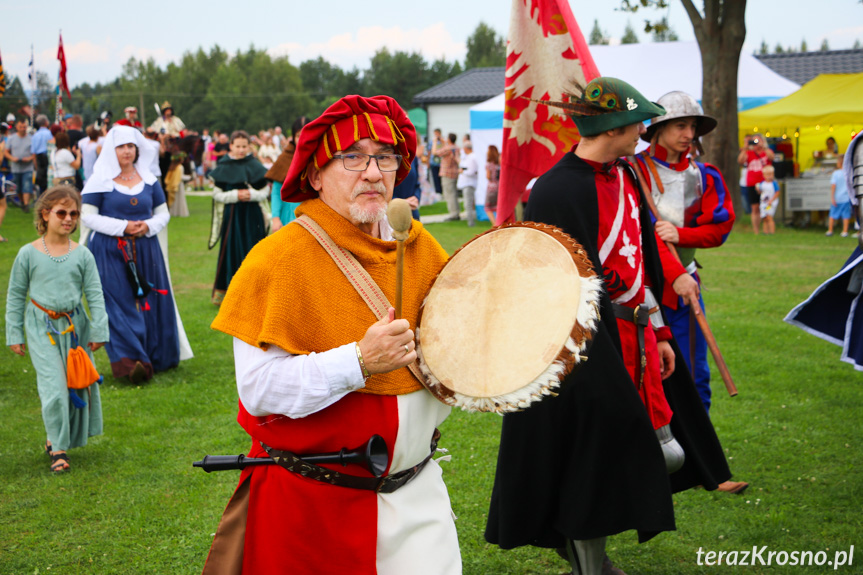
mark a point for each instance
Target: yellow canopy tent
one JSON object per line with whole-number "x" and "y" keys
{"x": 828, "y": 105}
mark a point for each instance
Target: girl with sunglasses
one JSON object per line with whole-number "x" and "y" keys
{"x": 49, "y": 278}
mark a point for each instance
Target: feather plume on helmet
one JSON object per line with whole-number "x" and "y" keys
{"x": 604, "y": 104}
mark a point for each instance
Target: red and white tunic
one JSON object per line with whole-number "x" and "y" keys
{"x": 622, "y": 258}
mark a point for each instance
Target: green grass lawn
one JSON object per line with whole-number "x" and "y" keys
{"x": 133, "y": 504}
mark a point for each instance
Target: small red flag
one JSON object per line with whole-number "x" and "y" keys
{"x": 61, "y": 55}
{"x": 545, "y": 52}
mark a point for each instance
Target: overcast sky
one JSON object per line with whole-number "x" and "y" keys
{"x": 100, "y": 36}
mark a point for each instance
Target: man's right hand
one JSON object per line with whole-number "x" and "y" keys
{"x": 687, "y": 288}
{"x": 383, "y": 345}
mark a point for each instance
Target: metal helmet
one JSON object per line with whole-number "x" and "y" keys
{"x": 681, "y": 105}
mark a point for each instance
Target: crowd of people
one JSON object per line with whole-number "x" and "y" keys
{"x": 322, "y": 361}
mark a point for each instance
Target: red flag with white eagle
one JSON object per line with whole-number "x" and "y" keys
{"x": 545, "y": 52}
{"x": 61, "y": 55}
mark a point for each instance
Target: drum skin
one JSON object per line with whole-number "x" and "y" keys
{"x": 507, "y": 318}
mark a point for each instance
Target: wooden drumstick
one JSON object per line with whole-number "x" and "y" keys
{"x": 400, "y": 218}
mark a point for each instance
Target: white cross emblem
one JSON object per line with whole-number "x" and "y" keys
{"x": 630, "y": 104}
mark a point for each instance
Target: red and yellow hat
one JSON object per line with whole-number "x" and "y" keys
{"x": 347, "y": 121}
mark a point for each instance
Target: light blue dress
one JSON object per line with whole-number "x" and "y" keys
{"x": 58, "y": 286}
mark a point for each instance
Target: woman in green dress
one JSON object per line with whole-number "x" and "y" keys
{"x": 48, "y": 280}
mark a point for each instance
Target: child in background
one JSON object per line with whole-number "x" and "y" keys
{"x": 840, "y": 201}
{"x": 55, "y": 273}
{"x": 768, "y": 191}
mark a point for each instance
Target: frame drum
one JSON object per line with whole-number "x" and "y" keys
{"x": 508, "y": 317}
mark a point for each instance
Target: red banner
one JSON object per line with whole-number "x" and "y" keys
{"x": 545, "y": 52}
{"x": 61, "y": 55}
{"x": 2, "y": 79}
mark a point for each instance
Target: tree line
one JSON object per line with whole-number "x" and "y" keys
{"x": 252, "y": 89}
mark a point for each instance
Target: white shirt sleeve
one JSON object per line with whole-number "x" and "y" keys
{"x": 277, "y": 382}
{"x": 102, "y": 224}
{"x": 259, "y": 195}
{"x": 160, "y": 219}
{"x": 229, "y": 197}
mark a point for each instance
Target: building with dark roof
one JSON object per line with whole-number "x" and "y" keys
{"x": 801, "y": 67}
{"x": 448, "y": 103}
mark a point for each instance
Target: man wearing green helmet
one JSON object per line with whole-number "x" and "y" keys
{"x": 601, "y": 452}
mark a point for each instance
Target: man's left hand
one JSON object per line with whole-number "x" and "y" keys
{"x": 666, "y": 359}
{"x": 667, "y": 232}
{"x": 413, "y": 202}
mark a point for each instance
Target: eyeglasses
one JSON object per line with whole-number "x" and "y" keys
{"x": 356, "y": 162}
{"x": 63, "y": 213}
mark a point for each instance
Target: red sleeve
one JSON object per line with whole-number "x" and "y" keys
{"x": 714, "y": 222}
{"x": 663, "y": 333}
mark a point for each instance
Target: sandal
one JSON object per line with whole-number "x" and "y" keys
{"x": 48, "y": 447}
{"x": 59, "y": 462}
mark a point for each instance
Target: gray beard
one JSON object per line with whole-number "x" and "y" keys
{"x": 371, "y": 216}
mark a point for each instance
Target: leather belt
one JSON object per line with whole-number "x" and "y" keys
{"x": 640, "y": 316}
{"x": 388, "y": 484}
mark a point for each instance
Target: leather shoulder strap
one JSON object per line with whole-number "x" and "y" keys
{"x": 356, "y": 274}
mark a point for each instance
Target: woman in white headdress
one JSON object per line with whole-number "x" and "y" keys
{"x": 124, "y": 211}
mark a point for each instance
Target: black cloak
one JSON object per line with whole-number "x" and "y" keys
{"x": 587, "y": 463}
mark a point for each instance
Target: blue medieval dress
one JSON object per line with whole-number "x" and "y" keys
{"x": 142, "y": 316}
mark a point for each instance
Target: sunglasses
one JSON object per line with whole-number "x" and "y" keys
{"x": 63, "y": 213}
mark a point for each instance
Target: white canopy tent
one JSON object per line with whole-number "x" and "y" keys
{"x": 657, "y": 68}
{"x": 486, "y": 129}
{"x": 654, "y": 69}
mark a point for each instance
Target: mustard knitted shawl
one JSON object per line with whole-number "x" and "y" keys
{"x": 289, "y": 292}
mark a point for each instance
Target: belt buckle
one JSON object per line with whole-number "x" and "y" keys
{"x": 641, "y": 314}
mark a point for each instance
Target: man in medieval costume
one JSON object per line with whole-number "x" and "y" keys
{"x": 694, "y": 210}
{"x": 319, "y": 370}
{"x": 168, "y": 124}
{"x": 595, "y": 461}
{"x": 131, "y": 119}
